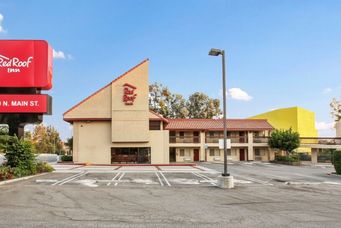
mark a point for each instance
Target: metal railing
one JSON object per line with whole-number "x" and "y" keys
{"x": 321, "y": 140}
{"x": 260, "y": 139}
{"x": 184, "y": 139}
{"x": 234, "y": 139}
{"x": 305, "y": 140}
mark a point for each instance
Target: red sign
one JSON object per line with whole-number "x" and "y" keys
{"x": 24, "y": 103}
{"x": 129, "y": 94}
{"x": 25, "y": 63}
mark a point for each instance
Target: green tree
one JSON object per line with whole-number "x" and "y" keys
{"x": 46, "y": 139}
{"x": 69, "y": 143}
{"x": 200, "y": 105}
{"x": 285, "y": 140}
{"x": 169, "y": 105}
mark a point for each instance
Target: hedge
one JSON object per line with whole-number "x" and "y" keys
{"x": 337, "y": 161}
{"x": 67, "y": 158}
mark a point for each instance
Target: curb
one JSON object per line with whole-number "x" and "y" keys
{"x": 20, "y": 179}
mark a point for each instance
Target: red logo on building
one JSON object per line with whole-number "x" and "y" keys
{"x": 129, "y": 94}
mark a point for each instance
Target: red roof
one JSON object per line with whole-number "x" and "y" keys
{"x": 213, "y": 124}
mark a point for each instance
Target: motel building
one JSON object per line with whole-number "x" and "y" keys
{"x": 115, "y": 125}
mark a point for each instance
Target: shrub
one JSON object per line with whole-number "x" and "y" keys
{"x": 337, "y": 161}
{"x": 6, "y": 173}
{"x": 291, "y": 158}
{"x": 67, "y": 158}
{"x": 43, "y": 167}
{"x": 19, "y": 152}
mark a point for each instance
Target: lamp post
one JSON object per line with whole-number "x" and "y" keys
{"x": 228, "y": 181}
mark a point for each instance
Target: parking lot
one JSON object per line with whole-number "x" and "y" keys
{"x": 129, "y": 176}
{"x": 266, "y": 195}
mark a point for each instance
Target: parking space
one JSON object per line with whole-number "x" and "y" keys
{"x": 148, "y": 176}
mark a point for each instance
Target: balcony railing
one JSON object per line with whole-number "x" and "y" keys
{"x": 234, "y": 139}
{"x": 260, "y": 139}
{"x": 321, "y": 140}
{"x": 305, "y": 140}
{"x": 184, "y": 139}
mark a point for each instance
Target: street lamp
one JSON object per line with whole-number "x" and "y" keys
{"x": 216, "y": 52}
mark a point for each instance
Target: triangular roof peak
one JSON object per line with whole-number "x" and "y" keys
{"x": 101, "y": 89}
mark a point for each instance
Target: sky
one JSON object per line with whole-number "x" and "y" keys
{"x": 279, "y": 53}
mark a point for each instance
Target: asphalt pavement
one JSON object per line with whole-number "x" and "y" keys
{"x": 265, "y": 195}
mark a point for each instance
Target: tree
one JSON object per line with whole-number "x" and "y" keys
{"x": 46, "y": 139}
{"x": 169, "y": 105}
{"x": 200, "y": 105}
{"x": 69, "y": 143}
{"x": 285, "y": 140}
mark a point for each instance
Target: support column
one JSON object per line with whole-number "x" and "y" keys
{"x": 250, "y": 152}
{"x": 338, "y": 128}
{"x": 202, "y": 146}
{"x": 314, "y": 152}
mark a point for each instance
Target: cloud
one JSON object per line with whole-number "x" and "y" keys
{"x": 2, "y": 30}
{"x": 239, "y": 94}
{"x": 323, "y": 126}
{"x": 58, "y": 54}
{"x": 61, "y": 55}
{"x": 327, "y": 90}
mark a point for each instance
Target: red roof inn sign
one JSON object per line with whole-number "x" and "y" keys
{"x": 25, "y": 70}
{"x": 25, "y": 63}
{"x": 129, "y": 94}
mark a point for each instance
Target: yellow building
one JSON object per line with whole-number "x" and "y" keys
{"x": 299, "y": 119}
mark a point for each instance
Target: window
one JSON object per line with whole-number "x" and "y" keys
{"x": 211, "y": 133}
{"x": 211, "y": 152}
{"x": 228, "y": 152}
{"x": 154, "y": 125}
{"x": 182, "y": 134}
{"x": 182, "y": 152}
{"x": 257, "y": 152}
{"x": 217, "y": 153}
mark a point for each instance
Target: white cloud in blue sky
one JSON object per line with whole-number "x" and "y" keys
{"x": 239, "y": 94}
{"x": 61, "y": 55}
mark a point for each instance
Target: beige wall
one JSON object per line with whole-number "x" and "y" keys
{"x": 92, "y": 143}
{"x": 130, "y": 123}
{"x": 98, "y": 106}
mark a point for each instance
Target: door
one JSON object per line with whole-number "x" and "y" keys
{"x": 196, "y": 137}
{"x": 172, "y": 154}
{"x": 241, "y": 155}
{"x": 196, "y": 155}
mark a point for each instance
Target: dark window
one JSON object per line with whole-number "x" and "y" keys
{"x": 182, "y": 134}
{"x": 154, "y": 125}
{"x": 257, "y": 152}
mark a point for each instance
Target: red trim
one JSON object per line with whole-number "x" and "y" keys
{"x": 86, "y": 119}
{"x": 146, "y": 60}
{"x": 121, "y": 165}
{"x": 160, "y": 116}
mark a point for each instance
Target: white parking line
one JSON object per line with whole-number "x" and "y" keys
{"x": 60, "y": 181}
{"x": 68, "y": 179}
{"x": 119, "y": 178}
{"x": 113, "y": 179}
{"x": 165, "y": 179}
{"x": 158, "y": 177}
{"x": 206, "y": 178}
{"x": 254, "y": 180}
